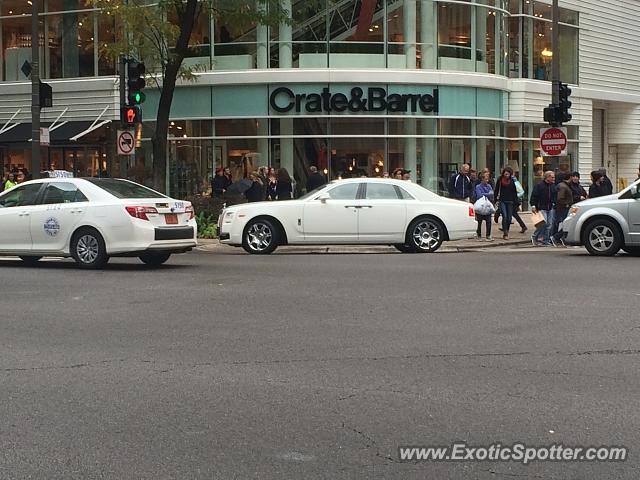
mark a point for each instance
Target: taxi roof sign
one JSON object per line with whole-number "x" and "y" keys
{"x": 58, "y": 174}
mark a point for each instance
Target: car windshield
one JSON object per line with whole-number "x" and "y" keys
{"x": 124, "y": 188}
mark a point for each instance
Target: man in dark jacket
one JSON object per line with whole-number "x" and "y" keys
{"x": 607, "y": 186}
{"x": 563, "y": 203}
{"x": 316, "y": 179}
{"x": 460, "y": 184}
{"x": 543, "y": 199}
{"x": 579, "y": 193}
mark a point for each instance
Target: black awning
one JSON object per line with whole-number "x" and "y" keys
{"x": 21, "y": 133}
{"x": 62, "y": 133}
{"x": 68, "y": 130}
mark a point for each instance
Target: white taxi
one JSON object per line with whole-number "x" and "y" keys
{"x": 92, "y": 219}
{"x": 370, "y": 211}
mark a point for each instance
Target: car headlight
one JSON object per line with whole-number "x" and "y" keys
{"x": 573, "y": 211}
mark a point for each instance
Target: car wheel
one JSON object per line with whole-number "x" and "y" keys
{"x": 401, "y": 247}
{"x": 88, "y": 249}
{"x": 154, "y": 259}
{"x": 30, "y": 260}
{"x": 261, "y": 237}
{"x": 633, "y": 251}
{"x": 602, "y": 237}
{"x": 425, "y": 235}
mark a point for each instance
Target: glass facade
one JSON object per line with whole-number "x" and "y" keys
{"x": 72, "y": 39}
{"x": 215, "y": 127}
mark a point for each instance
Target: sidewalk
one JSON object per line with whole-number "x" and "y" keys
{"x": 515, "y": 238}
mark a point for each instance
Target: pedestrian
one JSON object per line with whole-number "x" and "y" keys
{"x": 484, "y": 189}
{"x": 227, "y": 173}
{"x": 256, "y": 192}
{"x": 597, "y": 189}
{"x": 397, "y": 174}
{"x": 473, "y": 177}
{"x": 606, "y": 183}
{"x": 543, "y": 200}
{"x": 578, "y": 192}
{"x": 507, "y": 195}
{"x": 460, "y": 184}
{"x": 219, "y": 183}
{"x": 284, "y": 188}
{"x": 385, "y": 174}
{"x": 406, "y": 175}
{"x": 316, "y": 179}
{"x": 516, "y": 208}
{"x": 272, "y": 184}
{"x": 21, "y": 177}
{"x": 263, "y": 174}
{"x": 564, "y": 200}
{"x": 10, "y": 182}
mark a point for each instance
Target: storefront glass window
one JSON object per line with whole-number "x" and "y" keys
{"x": 234, "y": 44}
{"x": 454, "y": 37}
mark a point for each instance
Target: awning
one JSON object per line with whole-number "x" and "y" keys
{"x": 62, "y": 131}
{"x": 20, "y": 133}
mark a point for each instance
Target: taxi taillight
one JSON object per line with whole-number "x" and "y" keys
{"x": 140, "y": 212}
{"x": 189, "y": 211}
{"x": 472, "y": 213}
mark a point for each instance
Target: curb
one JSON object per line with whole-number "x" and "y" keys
{"x": 211, "y": 246}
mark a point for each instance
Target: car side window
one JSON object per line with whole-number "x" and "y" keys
{"x": 21, "y": 196}
{"x": 403, "y": 194}
{"x": 60, "y": 192}
{"x": 381, "y": 191}
{"x": 348, "y": 191}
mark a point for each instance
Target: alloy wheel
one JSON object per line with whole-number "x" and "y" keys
{"x": 88, "y": 249}
{"x": 259, "y": 237}
{"x": 426, "y": 235}
{"x": 601, "y": 238}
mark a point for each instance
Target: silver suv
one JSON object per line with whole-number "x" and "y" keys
{"x": 604, "y": 225}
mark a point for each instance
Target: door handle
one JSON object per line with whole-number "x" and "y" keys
{"x": 366, "y": 206}
{"x": 23, "y": 214}
{"x": 352, "y": 206}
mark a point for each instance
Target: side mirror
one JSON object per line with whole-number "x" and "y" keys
{"x": 324, "y": 197}
{"x": 635, "y": 192}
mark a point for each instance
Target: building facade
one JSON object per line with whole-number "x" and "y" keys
{"x": 355, "y": 87}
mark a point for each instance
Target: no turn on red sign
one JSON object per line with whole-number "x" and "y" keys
{"x": 553, "y": 141}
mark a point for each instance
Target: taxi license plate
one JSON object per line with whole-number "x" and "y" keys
{"x": 171, "y": 218}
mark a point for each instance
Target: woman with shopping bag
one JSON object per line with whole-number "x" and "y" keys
{"x": 484, "y": 207}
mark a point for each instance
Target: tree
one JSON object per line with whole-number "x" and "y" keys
{"x": 147, "y": 31}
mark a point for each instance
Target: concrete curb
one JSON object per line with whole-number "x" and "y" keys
{"x": 212, "y": 246}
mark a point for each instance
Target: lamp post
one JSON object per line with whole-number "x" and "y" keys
{"x": 35, "y": 90}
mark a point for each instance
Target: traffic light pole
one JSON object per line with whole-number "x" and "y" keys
{"x": 35, "y": 91}
{"x": 555, "y": 60}
{"x": 123, "y": 66}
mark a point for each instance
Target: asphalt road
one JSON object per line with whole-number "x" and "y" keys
{"x": 295, "y": 366}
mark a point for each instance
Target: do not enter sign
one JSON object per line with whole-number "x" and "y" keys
{"x": 553, "y": 141}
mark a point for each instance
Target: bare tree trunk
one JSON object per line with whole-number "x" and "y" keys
{"x": 187, "y": 13}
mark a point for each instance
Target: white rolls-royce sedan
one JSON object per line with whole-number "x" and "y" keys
{"x": 369, "y": 211}
{"x": 92, "y": 219}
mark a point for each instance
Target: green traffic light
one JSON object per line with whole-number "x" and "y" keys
{"x": 138, "y": 97}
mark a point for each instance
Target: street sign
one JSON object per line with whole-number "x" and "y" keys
{"x": 44, "y": 136}
{"x": 553, "y": 141}
{"x": 126, "y": 142}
